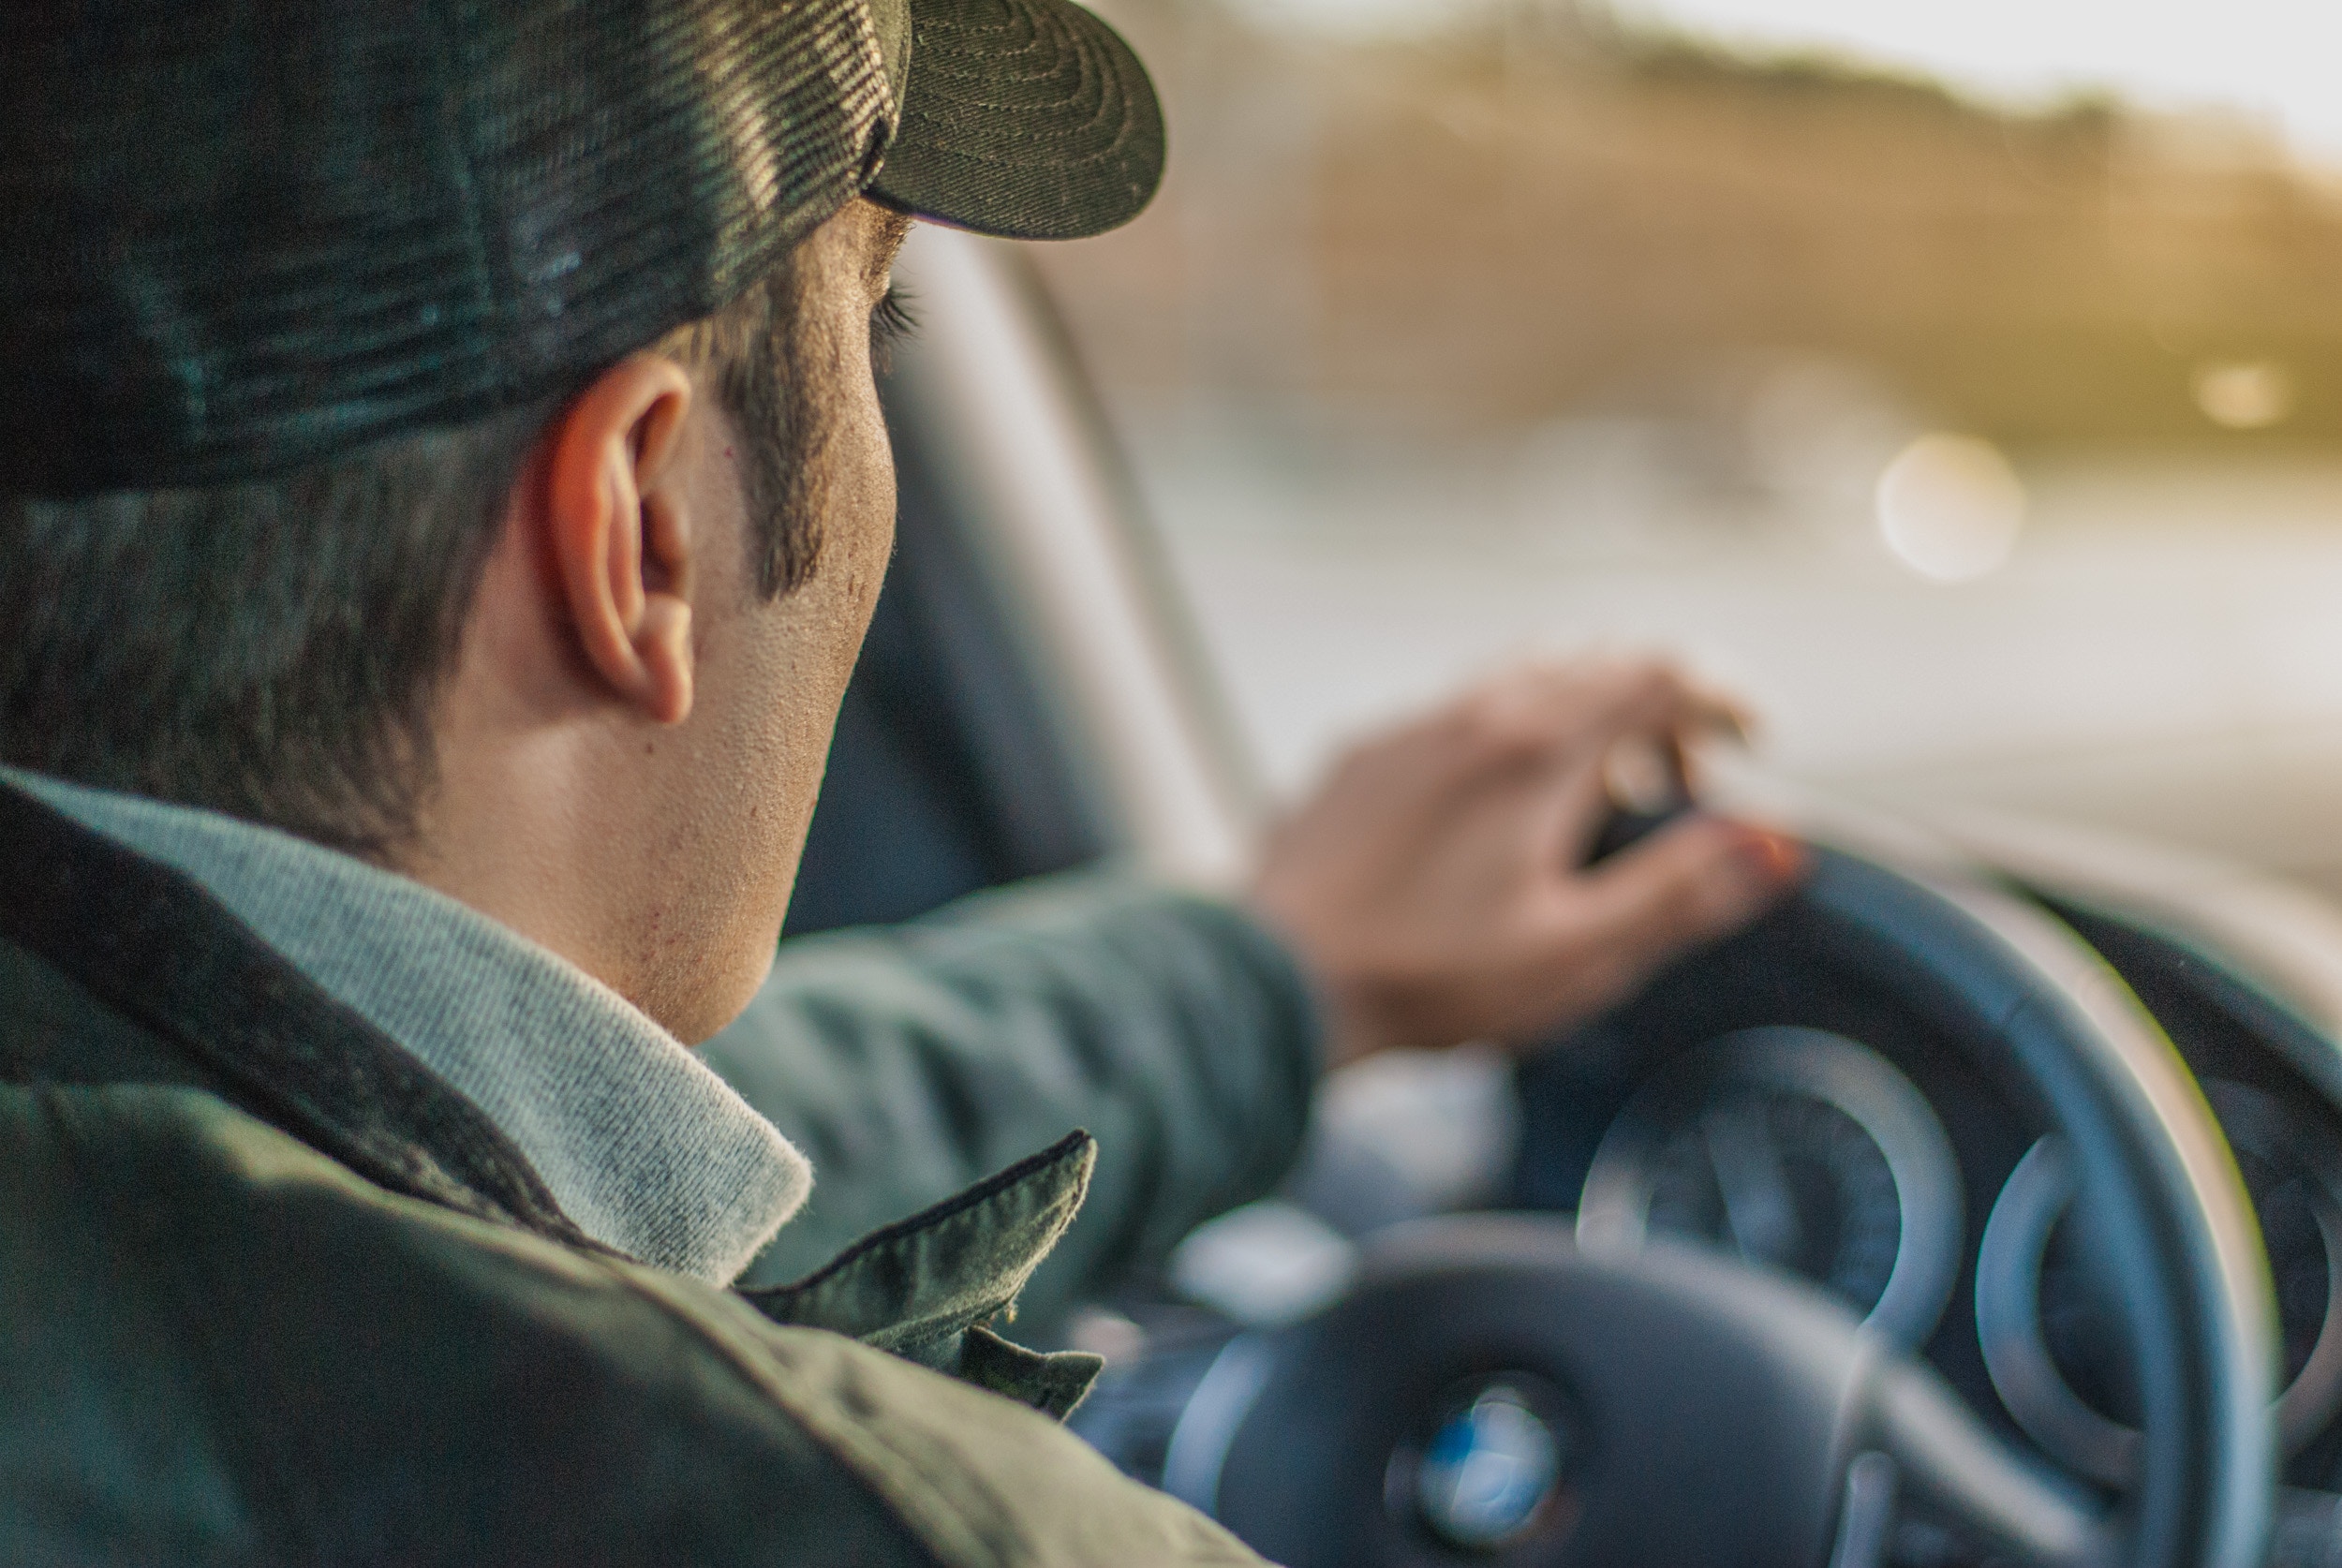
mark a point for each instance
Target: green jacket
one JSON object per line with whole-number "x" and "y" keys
{"x": 909, "y": 1063}
{"x": 270, "y": 1291}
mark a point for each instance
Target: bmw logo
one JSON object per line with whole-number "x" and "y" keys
{"x": 1491, "y": 1469}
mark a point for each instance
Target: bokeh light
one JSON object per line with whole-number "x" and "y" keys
{"x": 2244, "y": 394}
{"x": 1950, "y": 507}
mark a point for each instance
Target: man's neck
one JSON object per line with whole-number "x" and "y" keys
{"x": 642, "y": 1146}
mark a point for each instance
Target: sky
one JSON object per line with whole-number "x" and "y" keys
{"x": 2277, "y": 62}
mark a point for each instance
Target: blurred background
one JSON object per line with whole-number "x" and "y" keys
{"x": 1963, "y": 382}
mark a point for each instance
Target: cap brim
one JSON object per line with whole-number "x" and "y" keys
{"x": 1025, "y": 118}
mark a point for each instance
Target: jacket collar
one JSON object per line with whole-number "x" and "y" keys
{"x": 157, "y": 946}
{"x": 375, "y": 1011}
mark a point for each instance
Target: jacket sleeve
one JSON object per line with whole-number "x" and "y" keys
{"x": 911, "y": 1061}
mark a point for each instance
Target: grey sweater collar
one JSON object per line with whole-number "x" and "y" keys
{"x": 646, "y": 1149}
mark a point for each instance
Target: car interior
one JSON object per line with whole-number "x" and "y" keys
{"x": 1969, "y": 1209}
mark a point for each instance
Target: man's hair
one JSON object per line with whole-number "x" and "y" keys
{"x": 276, "y": 649}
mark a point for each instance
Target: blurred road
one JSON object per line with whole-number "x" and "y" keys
{"x": 2162, "y": 653}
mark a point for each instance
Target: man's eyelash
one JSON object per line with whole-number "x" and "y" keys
{"x": 891, "y": 322}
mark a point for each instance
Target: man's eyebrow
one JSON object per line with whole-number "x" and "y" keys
{"x": 894, "y": 229}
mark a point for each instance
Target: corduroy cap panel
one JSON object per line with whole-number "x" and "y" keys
{"x": 1023, "y": 117}
{"x": 239, "y": 237}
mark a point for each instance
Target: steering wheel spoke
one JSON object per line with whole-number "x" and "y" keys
{"x": 1926, "y": 1448}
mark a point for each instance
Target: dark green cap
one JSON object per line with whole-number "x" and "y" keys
{"x": 241, "y": 236}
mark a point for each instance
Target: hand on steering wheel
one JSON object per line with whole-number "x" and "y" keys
{"x": 1436, "y": 885}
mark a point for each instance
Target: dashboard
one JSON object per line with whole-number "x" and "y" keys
{"x": 1834, "y": 1132}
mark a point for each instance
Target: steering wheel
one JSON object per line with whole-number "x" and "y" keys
{"x": 1490, "y": 1390}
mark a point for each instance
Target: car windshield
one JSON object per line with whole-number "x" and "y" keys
{"x": 1961, "y": 383}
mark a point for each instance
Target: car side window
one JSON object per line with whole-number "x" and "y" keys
{"x": 947, "y": 775}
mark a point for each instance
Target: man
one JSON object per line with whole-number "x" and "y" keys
{"x": 445, "y": 492}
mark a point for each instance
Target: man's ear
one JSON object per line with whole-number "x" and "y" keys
{"x": 616, "y": 523}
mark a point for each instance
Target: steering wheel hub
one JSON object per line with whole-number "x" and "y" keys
{"x": 1495, "y": 1468}
{"x": 1514, "y": 1397}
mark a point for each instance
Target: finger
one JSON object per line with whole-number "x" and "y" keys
{"x": 1652, "y": 703}
{"x": 1489, "y": 729}
{"x": 1578, "y": 802}
{"x": 1699, "y": 879}
{"x": 1558, "y": 715}
{"x": 1546, "y": 691}
{"x": 1652, "y": 763}
{"x": 1692, "y": 883}
{"x": 1545, "y": 741}
{"x": 1647, "y": 776}
{"x": 1555, "y": 719}
{"x": 1719, "y": 716}
{"x": 1629, "y": 753}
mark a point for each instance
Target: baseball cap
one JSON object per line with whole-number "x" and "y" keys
{"x": 238, "y": 236}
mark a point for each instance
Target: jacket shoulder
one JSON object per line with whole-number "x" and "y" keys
{"x": 51, "y": 1028}
{"x": 251, "y": 1354}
